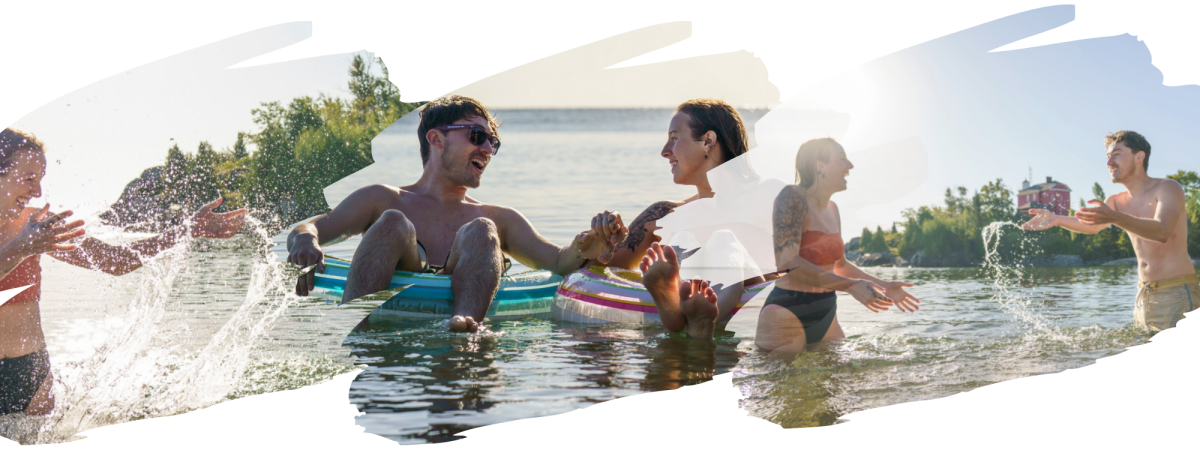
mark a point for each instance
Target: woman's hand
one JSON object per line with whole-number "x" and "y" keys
{"x": 48, "y": 234}
{"x": 868, "y": 296}
{"x": 903, "y": 300}
{"x": 607, "y": 231}
{"x": 207, "y": 224}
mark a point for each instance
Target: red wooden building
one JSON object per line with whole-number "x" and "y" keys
{"x": 1051, "y": 195}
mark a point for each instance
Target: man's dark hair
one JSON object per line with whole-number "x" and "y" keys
{"x": 446, "y": 111}
{"x": 1134, "y": 141}
{"x": 719, "y": 117}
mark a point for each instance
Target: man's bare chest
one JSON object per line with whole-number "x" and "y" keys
{"x": 1142, "y": 207}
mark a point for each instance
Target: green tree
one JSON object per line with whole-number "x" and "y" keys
{"x": 1098, "y": 192}
{"x": 878, "y": 241}
{"x": 174, "y": 174}
{"x": 239, "y": 147}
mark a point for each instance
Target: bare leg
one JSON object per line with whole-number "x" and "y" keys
{"x": 43, "y": 400}
{"x": 390, "y": 240}
{"x": 780, "y": 331}
{"x": 660, "y": 276}
{"x": 700, "y": 309}
{"x": 474, "y": 265}
{"x": 835, "y": 332}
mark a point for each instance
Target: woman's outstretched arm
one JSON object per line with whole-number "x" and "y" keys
{"x": 121, "y": 259}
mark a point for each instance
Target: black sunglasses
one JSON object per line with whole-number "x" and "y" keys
{"x": 478, "y": 135}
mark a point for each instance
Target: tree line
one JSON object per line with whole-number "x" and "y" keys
{"x": 951, "y": 234}
{"x": 300, "y": 149}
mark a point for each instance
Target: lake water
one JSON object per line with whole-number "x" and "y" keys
{"x": 216, "y": 320}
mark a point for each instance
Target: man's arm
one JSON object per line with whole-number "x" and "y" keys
{"x": 1158, "y": 229}
{"x": 352, "y": 216}
{"x": 519, "y": 239}
{"x": 1043, "y": 219}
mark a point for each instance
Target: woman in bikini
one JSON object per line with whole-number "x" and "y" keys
{"x": 801, "y": 310}
{"x": 703, "y": 134}
{"x": 25, "y": 234}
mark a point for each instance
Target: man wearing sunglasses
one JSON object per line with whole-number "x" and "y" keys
{"x": 432, "y": 225}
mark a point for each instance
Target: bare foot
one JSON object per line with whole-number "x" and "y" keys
{"x": 463, "y": 323}
{"x": 700, "y": 308}
{"x": 660, "y": 276}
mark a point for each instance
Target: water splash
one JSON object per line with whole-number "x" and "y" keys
{"x": 150, "y": 365}
{"x": 1006, "y": 280}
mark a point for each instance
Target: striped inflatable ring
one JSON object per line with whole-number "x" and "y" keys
{"x": 599, "y": 295}
{"x": 427, "y": 296}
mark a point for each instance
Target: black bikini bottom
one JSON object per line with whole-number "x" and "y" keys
{"x": 20, "y": 379}
{"x": 814, "y": 310}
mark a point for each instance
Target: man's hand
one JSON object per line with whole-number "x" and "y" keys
{"x": 207, "y": 224}
{"x": 1041, "y": 220}
{"x": 1100, "y": 214}
{"x": 306, "y": 252}
{"x": 607, "y": 231}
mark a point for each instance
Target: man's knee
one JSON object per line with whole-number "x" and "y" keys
{"x": 481, "y": 231}
{"x": 393, "y": 221}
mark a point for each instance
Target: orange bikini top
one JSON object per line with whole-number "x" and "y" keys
{"x": 27, "y": 273}
{"x": 820, "y": 248}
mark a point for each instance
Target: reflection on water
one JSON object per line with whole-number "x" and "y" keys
{"x": 423, "y": 383}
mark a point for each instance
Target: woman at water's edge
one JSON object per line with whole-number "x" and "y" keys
{"x": 802, "y": 308}
{"x": 25, "y": 234}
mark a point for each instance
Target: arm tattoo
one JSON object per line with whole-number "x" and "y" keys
{"x": 637, "y": 229}
{"x": 788, "y": 218}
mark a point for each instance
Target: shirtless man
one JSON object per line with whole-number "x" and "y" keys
{"x": 1151, "y": 212}
{"x": 432, "y": 225}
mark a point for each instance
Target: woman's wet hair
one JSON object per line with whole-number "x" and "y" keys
{"x": 722, "y": 119}
{"x": 446, "y": 111}
{"x": 810, "y": 152}
{"x": 719, "y": 117}
{"x": 12, "y": 143}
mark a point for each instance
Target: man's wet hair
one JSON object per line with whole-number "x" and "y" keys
{"x": 12, "y": 143}
{"x": 1134, "y": 141}
{"x": 446, "y": 111}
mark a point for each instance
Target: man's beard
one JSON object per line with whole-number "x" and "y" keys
{"x": 459, "y": 177}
